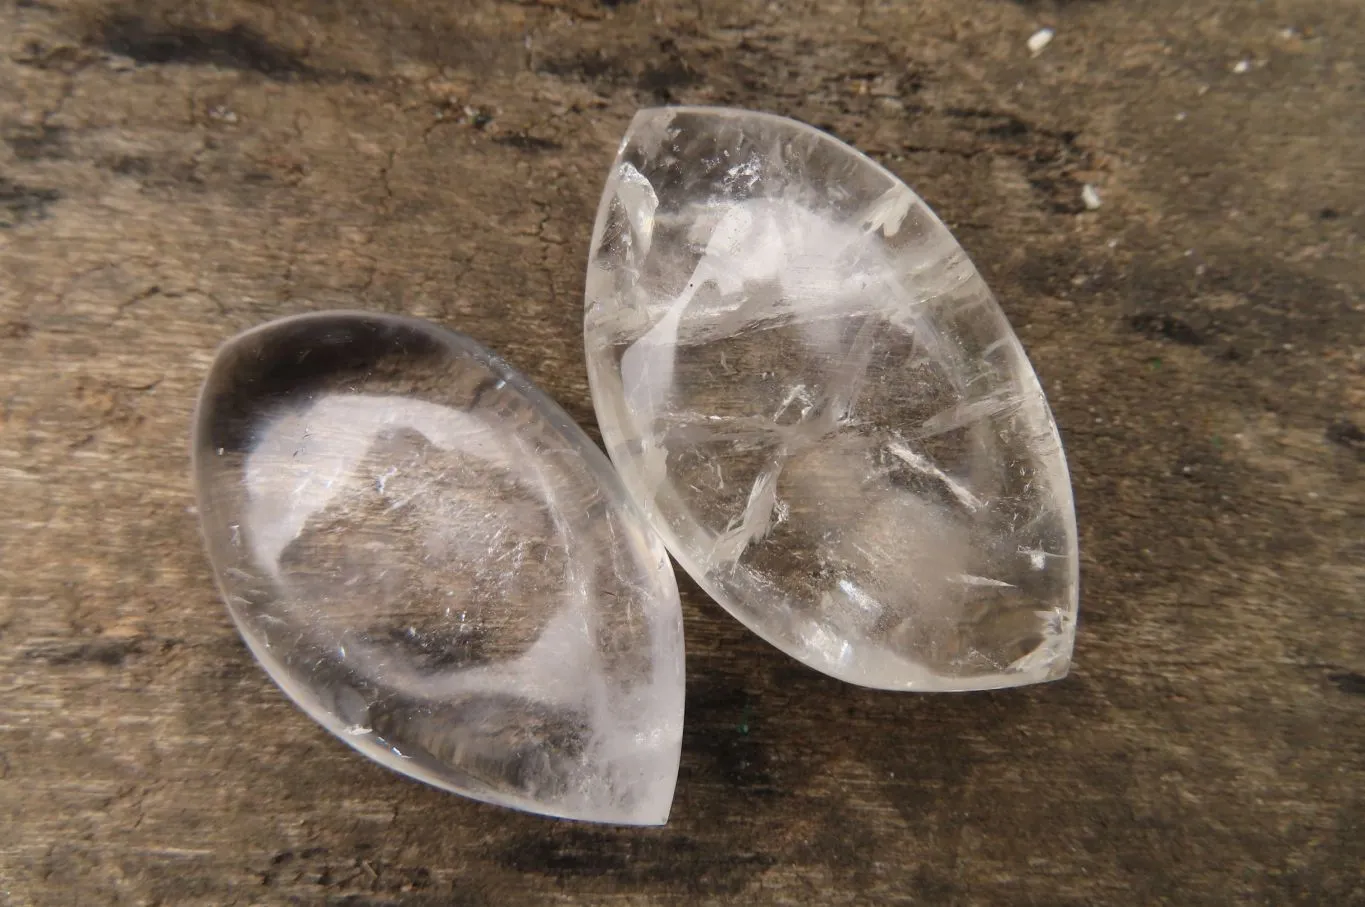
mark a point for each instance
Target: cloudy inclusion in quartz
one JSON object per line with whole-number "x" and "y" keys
{"x": 822, "y": 409}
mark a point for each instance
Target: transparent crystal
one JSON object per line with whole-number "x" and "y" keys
{"x": 813, "y": 395}
{"x": 435, "y": 562}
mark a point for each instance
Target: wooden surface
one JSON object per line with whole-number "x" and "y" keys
{"x": 172, "y": 171}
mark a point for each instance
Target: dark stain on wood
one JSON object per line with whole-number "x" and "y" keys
{"x": 37, "y": 143}
{"x": 1347, "y": 434}
{"x": 723, "y": 736}
{"x": 108, "y": 652}
{"x": 235, "y": 47}
{"x": 1167, "y": 327}
{"x": 20, "y": 203}
{"x": 523, "y": 142}
{"x": 588, "y": 66}
{"x": 1349, "y": 682}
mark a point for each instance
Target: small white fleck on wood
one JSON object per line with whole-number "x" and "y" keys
{"x": 1090, "y": 197}
{"x": 1039, "y": 40}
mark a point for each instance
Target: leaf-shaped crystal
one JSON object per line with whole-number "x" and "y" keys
{"x": 434, "y": 561}
{"x": 818, "y": 403}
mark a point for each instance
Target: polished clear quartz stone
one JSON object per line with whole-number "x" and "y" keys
{"x": 820, "y": 406}
{"x": 435, "y": 562}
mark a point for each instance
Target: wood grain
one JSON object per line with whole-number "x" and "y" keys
{"x": 172, "y": 172}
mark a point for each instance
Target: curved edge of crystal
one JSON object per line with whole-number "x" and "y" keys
{"x": 629, "y": 207}
{"x": 658, "y": 775}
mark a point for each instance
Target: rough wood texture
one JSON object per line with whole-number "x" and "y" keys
{"x": 172, "y": 172}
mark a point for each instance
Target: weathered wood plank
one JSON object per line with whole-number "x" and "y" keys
{"x": 172, "y": 172}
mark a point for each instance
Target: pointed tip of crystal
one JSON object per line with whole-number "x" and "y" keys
{"x": 814, "y": 397}
{"x": 440, "y": 567}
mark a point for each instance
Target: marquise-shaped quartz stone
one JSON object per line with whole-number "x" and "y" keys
{"x": 439, "y": 566}
{"x": 821, "y": 408}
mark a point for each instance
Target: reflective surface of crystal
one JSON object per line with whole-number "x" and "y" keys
{"x": 436, "y": 563}
{"x": 814, "y": 396}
